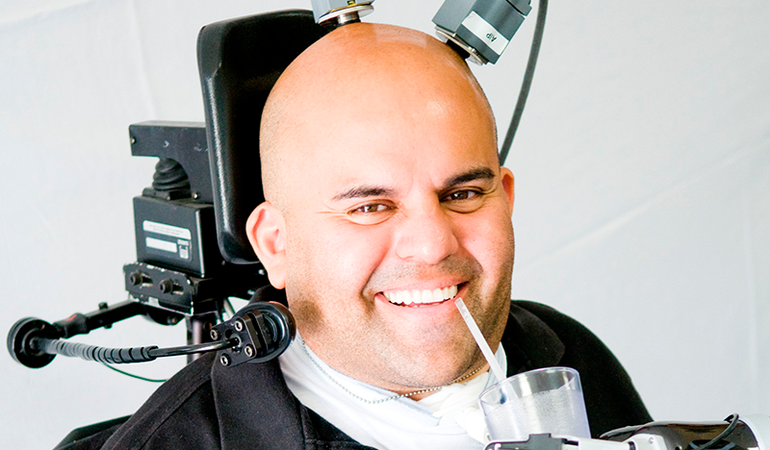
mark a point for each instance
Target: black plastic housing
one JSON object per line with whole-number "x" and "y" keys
{"x": 239, "y": 61}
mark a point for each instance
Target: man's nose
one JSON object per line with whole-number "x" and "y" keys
{"x": 426, "y": 236}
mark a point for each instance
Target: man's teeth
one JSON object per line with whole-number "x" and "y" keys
{"x": 420, "y": 297}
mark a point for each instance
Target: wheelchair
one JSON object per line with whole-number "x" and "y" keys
{"x": 215, "y": 187}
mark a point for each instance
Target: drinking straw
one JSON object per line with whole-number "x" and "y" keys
{"x": 480, "y": 340}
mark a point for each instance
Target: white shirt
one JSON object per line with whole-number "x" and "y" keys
{"x": 447, "y": 419}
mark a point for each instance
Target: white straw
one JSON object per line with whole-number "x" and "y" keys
{"x": 480, "y": 340}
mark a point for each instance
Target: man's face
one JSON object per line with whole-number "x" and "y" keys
{"x": 393, "y": 214}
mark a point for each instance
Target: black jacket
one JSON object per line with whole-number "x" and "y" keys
{"x": 208, "y": 406}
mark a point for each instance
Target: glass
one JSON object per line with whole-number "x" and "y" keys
{"x": 548, "y": 400}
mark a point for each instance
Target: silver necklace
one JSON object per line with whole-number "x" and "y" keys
{"x": 382, "y": 400}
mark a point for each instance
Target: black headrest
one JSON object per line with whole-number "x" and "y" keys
{"x": 239, "y": 61}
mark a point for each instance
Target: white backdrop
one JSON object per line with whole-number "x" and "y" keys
{"x": 642, "y": 177}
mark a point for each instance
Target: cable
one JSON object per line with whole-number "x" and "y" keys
{"x": 123, "y": 355}
{"x": 733, "y": 419}
{"x": 190, "y": 349}
{"x": 138, "y": 377}
{"x": 529, "y": 74}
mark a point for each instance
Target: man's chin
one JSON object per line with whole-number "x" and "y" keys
{"x": 436, "y": 370}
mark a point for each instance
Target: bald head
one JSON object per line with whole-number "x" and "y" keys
{"x": 382, "y": 181}
{"x": 363, "y": 78}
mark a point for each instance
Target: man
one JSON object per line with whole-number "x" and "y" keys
{"x": 385, "y": 203}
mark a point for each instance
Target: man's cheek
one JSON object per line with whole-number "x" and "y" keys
{"x": 310, "y": 318}
{"x": 357, "y": 258}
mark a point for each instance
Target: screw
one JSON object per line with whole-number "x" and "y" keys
{"x": 166, "y": 286}
{"x": 214, "y": 334}
{"x": 136, "y": 278}
{"x": 249, "y": 351}
{"x": 238, "y": 325}
{"x": 225, "y": 360}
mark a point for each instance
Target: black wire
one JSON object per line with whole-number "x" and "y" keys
{"x": 190, "y": 349}
{"x": 526, "y": 83}
{"x": 733, "y": 419}
{"x": 123, "y": 355}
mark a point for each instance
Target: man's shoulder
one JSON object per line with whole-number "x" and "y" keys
{"x": 542, "y": 311}
{"x": 541, "y": 329}
{"x": 209, "y": 406}
{"x": 549, "y": 337}
{"x": 543, "y": 323}
{"x": 181, "y": 409}
{"x": 543, "y": 336}
{"x": 531, "y": 314}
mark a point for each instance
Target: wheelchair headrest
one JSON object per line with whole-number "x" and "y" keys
{"x": 239, "y": 61}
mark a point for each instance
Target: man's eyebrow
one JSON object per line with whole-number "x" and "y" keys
{"x": 363, "y": 192}
{"x": 482, "y": 173}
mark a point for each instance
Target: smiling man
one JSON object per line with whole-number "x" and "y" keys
{"x": 385, "y": 203}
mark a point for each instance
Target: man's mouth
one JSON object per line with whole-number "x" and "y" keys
{"x": 423, "y": 297}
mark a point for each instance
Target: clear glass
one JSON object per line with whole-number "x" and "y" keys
{"x": 548, "y": 400}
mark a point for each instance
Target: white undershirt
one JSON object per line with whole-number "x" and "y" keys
{"x": 446, "y": 419}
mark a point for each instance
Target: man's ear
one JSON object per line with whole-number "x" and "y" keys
{"x": 507, "y": 181}
{"x": 266, "y": 230}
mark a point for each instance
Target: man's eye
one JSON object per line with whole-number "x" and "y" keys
{"x": 367, "y": 209}
{"x": 461, "y": 195}
{"x": 371, "y": 213}
{"x": 464, "y": 201}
